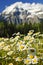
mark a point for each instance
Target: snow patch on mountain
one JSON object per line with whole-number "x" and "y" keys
{"x": 23, "y": 11}
{"x": 32, "y": 8}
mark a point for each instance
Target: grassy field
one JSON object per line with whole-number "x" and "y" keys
{"x": 22, "y": 49}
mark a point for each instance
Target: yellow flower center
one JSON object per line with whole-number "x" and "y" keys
{"x": 34, "y": 60}
{"x": 31, "y": 56}
{"x": 27, "y": 61}
{"x": 19, "y": 59}
{"x": 21, "y": 47}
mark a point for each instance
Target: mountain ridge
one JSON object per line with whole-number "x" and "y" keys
{"x": 23, "y": 12}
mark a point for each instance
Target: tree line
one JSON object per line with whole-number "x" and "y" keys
{"x": 6, "y": 29}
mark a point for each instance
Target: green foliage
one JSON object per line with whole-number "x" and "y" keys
{"x": 6, "y": 29}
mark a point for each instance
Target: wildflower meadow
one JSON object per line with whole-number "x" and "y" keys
{"x": 22, "y": 49}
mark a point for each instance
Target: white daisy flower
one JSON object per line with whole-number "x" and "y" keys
{"x": 27, "y": 38}
{"x": 6, "y": 48}
{"x": 2, "y": 44}
{"x": 35, "y": 34}
{"x": 10, "y": 53}
{"x": 31, "y": 56}
{"x": 30, "y": 32}
{"x": 18, "y": 33}
{"x": 16, "y": 38}
{"x": 18, "y": 59}
{"x": 11, "y": 40}
{"x": 20, "y": 42}
{"x": 27, "y": 61}
{"x": 6, "y": 39}
{"x": 35, "y": 60}
{"x": 22, "y": 47}
{"x": 10, "y": 64}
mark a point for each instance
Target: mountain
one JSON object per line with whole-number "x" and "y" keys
{"x": 23, "y": 12}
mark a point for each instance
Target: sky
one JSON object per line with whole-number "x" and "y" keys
{"x": 4, "y": 3}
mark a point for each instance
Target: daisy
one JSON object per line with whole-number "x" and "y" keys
{"x": 35, "y": 60}
{"x": 10, "y": 53}
{"x": 31, "y": 56}
{"x": 18, "y": 59}
{"x": 10, "y": 63}
{"x": 27, "y": 61}
{"x": 6, "y": 48}
{"x": 22, "y": 47}
{"x": 20, "y": 42}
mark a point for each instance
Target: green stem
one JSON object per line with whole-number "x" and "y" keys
{"x": 6, "y": 62}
